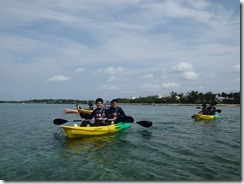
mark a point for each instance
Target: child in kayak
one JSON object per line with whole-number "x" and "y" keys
{"x": 211, "y": 110}
{"x": 100, "y": 114}
{"x": 115, "y": 111}
{"x": 208, "y": 109}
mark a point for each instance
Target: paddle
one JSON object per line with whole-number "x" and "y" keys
{"x": 219, "y": 110}
{"x": 62, "y": 121}
{"x": 146, "y": 124}
{"x": 128, "y": 119}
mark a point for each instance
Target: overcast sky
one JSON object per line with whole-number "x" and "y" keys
{"x": 84, "y": 49}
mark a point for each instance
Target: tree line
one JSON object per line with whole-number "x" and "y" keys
{"x": 50, "y": 101}
{"x": 192, "y": 97}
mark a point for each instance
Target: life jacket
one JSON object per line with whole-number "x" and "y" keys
{"x": 114, "y": 112}
{"x": 100, "y": 113}
{"x": 211, "y": 110}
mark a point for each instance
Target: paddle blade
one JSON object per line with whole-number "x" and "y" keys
{"x": 219, "y": 110}
{"x": 146, "y": 124}
{"x": 126, "y": 119}
{"x": 59, "y": 121}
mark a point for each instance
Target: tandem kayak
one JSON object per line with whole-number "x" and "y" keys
{"x": 77, "y": 131}
{"x": 85, "y": 111}
{"x": 205, "y": 117}
{"x": 70, "y": 110}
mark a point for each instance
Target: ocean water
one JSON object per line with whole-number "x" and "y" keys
{"x": 175, "y": 148}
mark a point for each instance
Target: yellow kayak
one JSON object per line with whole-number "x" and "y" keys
{"x": 205, "y": 117}
{"x": 77, "y": 131}
{"x": 85, "y": 111}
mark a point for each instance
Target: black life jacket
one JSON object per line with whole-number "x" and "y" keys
{"x": 114, "y": 112}
{"x": 100, "y": 113}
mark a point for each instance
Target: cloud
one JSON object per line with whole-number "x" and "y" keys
{"x": 210, "y": 75}
{"x": 190, "y": 75}
{"x": 114, "y": 70}
{"x": 155, "y": 87}
{"x": 186, "y": 70}
{"x": 107, "y": 87}
{"x": 59, "y": 78}
{"x": 183, "y": 67}
{"x": 111, "y": 78}
{"x": 171, "y": 85}
{"x": 236, "y": 68}
{"x": 151, "y": 86}
{"x": 148, "y": 76}
{"x": 128, "y": 45}
{"x": 110, "y": 70}
{"x": 79, "y": 70}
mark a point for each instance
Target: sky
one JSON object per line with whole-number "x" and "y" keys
{"x": 85, "y": 49}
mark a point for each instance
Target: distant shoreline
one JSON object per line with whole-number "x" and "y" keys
{"x": 175, "y": 104}
{"x": 150, "y": 104}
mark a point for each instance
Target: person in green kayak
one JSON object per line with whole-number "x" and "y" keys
{"x": 115, "y": 111}
{"x": 100, "y": 114}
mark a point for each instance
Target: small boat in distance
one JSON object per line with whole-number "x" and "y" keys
{"x": 70, "y": 110}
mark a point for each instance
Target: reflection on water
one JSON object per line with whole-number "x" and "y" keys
{"x": 76, "y": 146}
{"x": 206, "y": 122}
{"x": 90, "y": 142}
{"x": 145, "y": 134}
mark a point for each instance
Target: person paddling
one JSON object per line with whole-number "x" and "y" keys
{"x": 90, "y": 105}
{"x": 115, "y": 111}
{"x": 77, "y": 106}
{"x": 211, "y": 110}
{"x": 100, "y": 114}
{"x": 204, "y": 108}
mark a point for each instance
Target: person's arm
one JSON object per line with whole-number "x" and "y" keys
{"x": 89, "y": 116}
{"x": 122, "y": 113}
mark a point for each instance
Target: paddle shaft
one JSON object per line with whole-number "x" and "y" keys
{"x": 126, "y": 119}
{"x": 121, "y": 119}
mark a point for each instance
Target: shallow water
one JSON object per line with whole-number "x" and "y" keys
{"x": 175, "y": 148}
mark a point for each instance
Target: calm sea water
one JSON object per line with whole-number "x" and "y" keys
{"x": 175, "y": 148}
